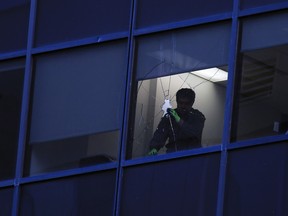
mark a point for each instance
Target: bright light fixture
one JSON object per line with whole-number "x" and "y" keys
{"x": 212, "y": 74}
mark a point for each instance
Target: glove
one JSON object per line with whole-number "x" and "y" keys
{"x": 174, "y": 114}
{"x": 153, "y": 152}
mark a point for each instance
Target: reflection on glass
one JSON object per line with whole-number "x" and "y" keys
{"x": 148, "y": 12}
{"x": 78, "y": 19}
{"x": 14, "y": 19}
{"x": 77, "y": 108}
{"x": 191, "y": 59}
{"x": 11, "y": 88}
{"x": 83, "y": 195}
{"x": 261, "y": 106}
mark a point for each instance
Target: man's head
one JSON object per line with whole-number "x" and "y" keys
{"x": 185, "y": 98}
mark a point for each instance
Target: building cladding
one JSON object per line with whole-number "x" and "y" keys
{"x": 82, "y": 88}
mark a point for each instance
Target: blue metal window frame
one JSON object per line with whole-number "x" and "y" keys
{"x": 122, "y": 163}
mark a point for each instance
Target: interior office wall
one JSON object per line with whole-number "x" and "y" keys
{"x": 210, "y": 100}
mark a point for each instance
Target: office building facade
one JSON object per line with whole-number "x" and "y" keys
{"x": 85, "y": 83}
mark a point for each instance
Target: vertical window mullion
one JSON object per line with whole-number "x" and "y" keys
{"x": 126, "y": 104}
{"x": 228, "y": 107}
{"x": 24, "y": 108}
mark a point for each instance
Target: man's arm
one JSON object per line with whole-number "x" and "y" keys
{"x": 160, "y": 136}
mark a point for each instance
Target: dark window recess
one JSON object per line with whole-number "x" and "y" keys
{"x": 11, "y": 87}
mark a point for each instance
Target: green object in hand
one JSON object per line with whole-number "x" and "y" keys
{"x": 175, "y": 115}
{"x": 153, "y": 152}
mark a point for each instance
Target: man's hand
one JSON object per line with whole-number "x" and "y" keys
{"x": 153, "y": 152}
{"x": 175, "y": 115}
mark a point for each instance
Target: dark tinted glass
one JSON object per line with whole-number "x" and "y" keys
{"x": 261, "y": 104}
{"x": 151, "y": 12}
{"x": 77, "y": 107}
{"x": 14, "y": 16}
{"x": 257, "y": 181}
{"x": 181, "y": 187}
{"x": 11, "y": 88}
{"x": 79, "y": 196}
{"x": 245, "y": 4}
{"x": 62, "y": 20}
{"x": 6, "y": 197}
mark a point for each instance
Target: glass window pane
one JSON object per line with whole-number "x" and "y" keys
{"x": 166, "y": 63}
{"x": 150, "y": 12}
{"x": 62, "y": 20}
{"x": 261, "y": 104}
{"x": 172, "y": 187}
{"x": 14, "y": 16}
{"x": 245, "y": 4}
{"x": 77, "y": 105}
{"x": 6, "y": 198}
{"x": 257, "y": 181}
{"x": 84, "y": 195}
{"x": 11, "y": 89}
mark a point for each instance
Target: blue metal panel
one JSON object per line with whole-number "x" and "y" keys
{"x": 6, "y": 198}
{"x": 178, "y": 187}
{"x": 257, "y": 181}
{"x": 90, "y": 194}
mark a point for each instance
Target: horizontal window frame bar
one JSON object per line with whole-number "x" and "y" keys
{"x": 263, "y": 9}
{"x": 7, "y": 183}
{"x": 265, "y": 140}
{"x": 68, "y": 173}
{"x": 76, "y": 43}
{"x": 171, "y": 156}
{"x": 182, "y": 24}
{"x": 13, "y": 55}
